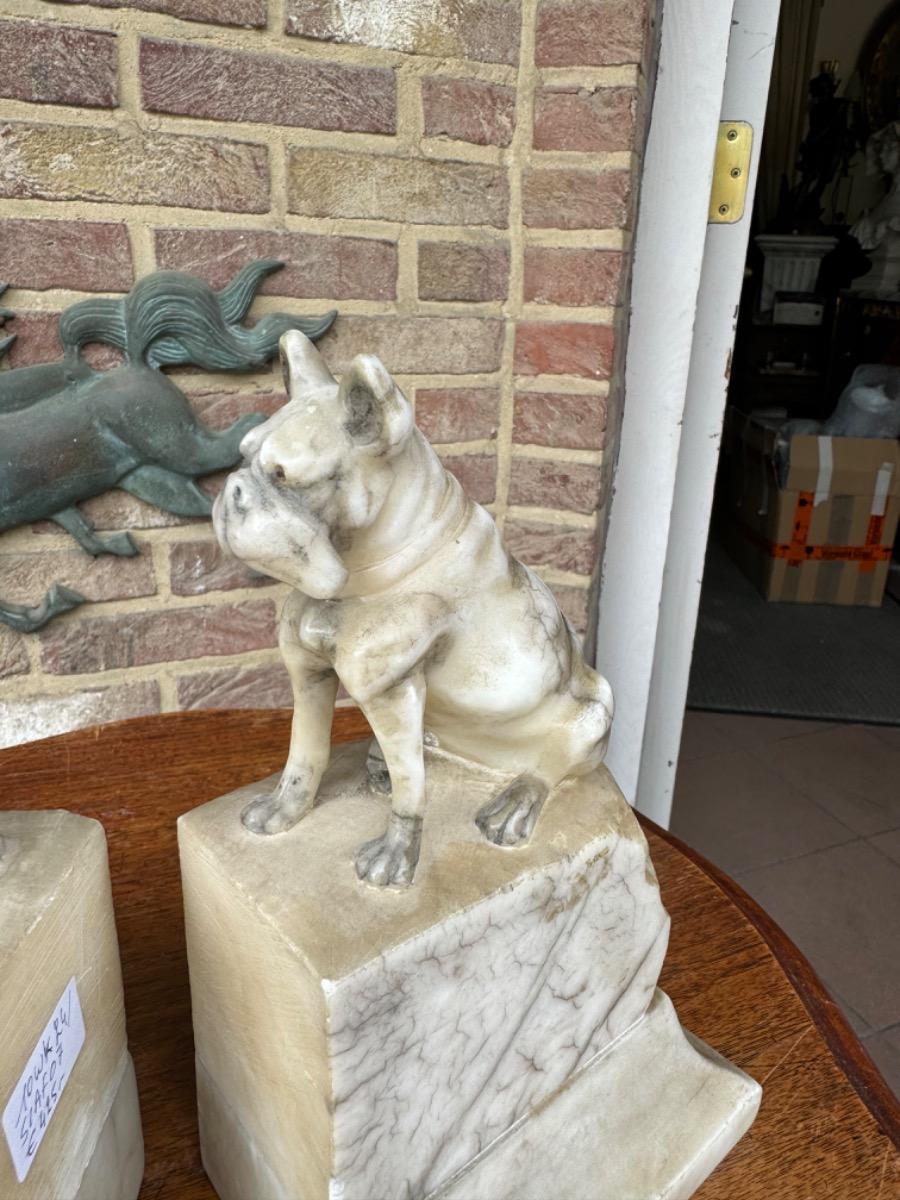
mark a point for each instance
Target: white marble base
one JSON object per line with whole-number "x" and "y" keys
{"x": 56, "y": 925}
{"x": 355, "y": 1043}
{"x": 679, "y": 1108}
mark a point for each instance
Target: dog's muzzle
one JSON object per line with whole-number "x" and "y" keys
{"x": 239, "y": 492}
{"x": 231, "y": 505}
{"x": 277, "y": 534}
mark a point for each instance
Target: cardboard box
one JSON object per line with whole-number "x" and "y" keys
{"x": 815, "y": 524}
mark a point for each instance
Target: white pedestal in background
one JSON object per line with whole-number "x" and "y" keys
{"x": 56, "y": 925}
{"x": 791, "y": 263}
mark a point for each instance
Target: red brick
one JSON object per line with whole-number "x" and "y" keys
{"x": 120, "y": 510}
{"x": 470, "y": 110}
{"x": 24, "y": 578}
{"x": 43, "y": 716}
{"x": 419, "y": 191}
{"x": 131, "y": 166}
{"x": 417, "y": 345}
{"x": 249, "y": 13}
{"x": 561, "y": 198}
{"x": 218, "y": 410}
{"x": 574, "y": 604}
{"x": 13, "y": 656}
{"x": 461, "y": 271}
{"x": 236, "y": 687}
{"x": 37, "y": 338}
{"x": 196, "y": 568}
{"x": 37, "y": 341}
{"x": 73, "y": 646}
{"x": 86, "y": 256}
{"x": 483, "y": 30}
{"x": 116, "y": 509}
{"x": 592, "y": 33}
{"x": 330, "y": 266}
{"x": 233, "y": 85}
{"x": 559, "y": 419}
{"x": 541, "y": 545}
{"x": 564, "y": 348}
{"x": 572, "y": 276}
{"x": 476, "y": 472}
{"x": 575, "y": 487}
{"x": 57, "y": 64}
{"x": 457, "y": 414}
{"x": 572, "y": 118}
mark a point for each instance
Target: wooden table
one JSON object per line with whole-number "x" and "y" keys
{"x": 828, "y": 1127}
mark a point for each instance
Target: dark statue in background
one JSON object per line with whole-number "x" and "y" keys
{"x": 69, "y": 432}
{"x": 834, "y": 135}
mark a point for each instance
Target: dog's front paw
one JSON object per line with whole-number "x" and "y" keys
{"x": 273, "y": 814}
{"x": 390, "y": 860}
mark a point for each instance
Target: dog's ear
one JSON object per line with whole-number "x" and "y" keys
{"x": 377, "y": 413}
{"x": 302, "y": 364}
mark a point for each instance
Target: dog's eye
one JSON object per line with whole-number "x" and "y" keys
{"x": 278, "y": 474}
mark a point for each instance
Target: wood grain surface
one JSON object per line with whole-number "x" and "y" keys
{"x": 828, "y": 1126}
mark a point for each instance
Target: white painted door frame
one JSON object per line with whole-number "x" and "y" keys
{"x": 714, "y": 64}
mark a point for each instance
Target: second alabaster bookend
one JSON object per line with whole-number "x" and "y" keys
{"x": 426, "y": 966}
{"x": 71, "y": 1126}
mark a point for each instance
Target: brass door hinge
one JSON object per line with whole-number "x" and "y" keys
{"x": 732, "y": 167}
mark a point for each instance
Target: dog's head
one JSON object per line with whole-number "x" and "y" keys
{"x": 316, "y": 471}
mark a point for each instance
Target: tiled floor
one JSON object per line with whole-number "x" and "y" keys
{"x": 806, "y": 816}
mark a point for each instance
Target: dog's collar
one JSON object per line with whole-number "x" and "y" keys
{"x": 445, "y": 526}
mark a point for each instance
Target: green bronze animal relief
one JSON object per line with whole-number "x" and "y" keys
{"x": 69, "y": 432}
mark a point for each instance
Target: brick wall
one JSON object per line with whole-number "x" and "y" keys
{"x": 458, "y": 179}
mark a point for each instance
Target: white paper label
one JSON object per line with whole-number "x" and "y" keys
{"x": 33, "y": 1103}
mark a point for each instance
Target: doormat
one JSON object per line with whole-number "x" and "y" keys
{"x": 815, "y": 661}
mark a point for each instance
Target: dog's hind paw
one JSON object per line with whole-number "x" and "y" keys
{"x": 390, "y": 860}
{"x": 379, "y": 779}
{"x": 271, "y": 814}
{"x": 509, "y": 818}
{"x": 377, "y": 773}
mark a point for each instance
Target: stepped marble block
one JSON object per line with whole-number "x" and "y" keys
{"x": 678, "y": 1107}
{"x": 70, "y": 1106}
{"x": 361, "y": 1043}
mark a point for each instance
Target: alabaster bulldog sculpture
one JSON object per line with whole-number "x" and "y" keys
{"x": 404, "y": 593}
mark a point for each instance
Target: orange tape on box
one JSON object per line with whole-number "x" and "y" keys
{"x": 798, "y": 550}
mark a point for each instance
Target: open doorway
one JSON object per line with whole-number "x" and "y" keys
{"x": 789, "y": 772}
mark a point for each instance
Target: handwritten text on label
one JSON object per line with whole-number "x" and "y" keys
{"x": 36, "y": 1095}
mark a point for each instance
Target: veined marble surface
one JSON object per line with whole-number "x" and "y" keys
{"x": 371, "y": 1044}
{"x": 678, "y": 1108}
{"x": 453, "y": 1036}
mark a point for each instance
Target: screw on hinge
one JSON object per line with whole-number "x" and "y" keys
{"x": 723, "y": 209}
{"x": 731, "y": 135}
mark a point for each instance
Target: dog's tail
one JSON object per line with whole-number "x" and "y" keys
{"x": 171, "y": 318}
